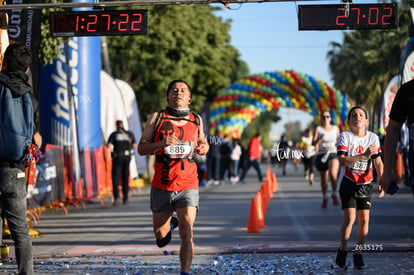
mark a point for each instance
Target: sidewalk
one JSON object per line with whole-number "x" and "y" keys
{"x": 102, "y": 239}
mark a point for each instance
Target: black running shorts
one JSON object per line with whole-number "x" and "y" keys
{"x": 323, "y": 166}
{"x": 355, "y": 196}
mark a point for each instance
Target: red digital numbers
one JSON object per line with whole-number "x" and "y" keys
{"x": 387, "y": 17}
{"x": 99, "y": 23}
{"x": 91, "y": 25}
{"x": 373, "y": 16}
{"x": 348, "y": 16}
{"x": 136, "y": 21}
{"x": 341, "y": 18}
{"x": 105, "y": 22}
{"x": 123, "y": 22}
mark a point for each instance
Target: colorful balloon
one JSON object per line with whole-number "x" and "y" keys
{"x": 238, "y": 104}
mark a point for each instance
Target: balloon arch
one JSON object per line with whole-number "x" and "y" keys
{"x": 238, "y": 104}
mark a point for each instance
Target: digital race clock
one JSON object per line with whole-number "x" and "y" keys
{"x": 344, "y": 16}
{"x": 99, "y": 23}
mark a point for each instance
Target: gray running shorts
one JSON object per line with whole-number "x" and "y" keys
{"x": 162, "y": 200}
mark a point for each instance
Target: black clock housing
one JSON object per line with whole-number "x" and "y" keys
{"x": 360, "y": 16}
{"x": 99, "y": 23}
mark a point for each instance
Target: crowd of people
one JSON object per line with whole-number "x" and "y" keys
{"x": 228, "y": 162}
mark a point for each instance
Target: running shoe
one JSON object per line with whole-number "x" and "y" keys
{"x": 341, "y": 258}
{"x": 358, "y": 261}
{"x": 335, "y": 200}
{"x": 174, "y": 223}
{"x": 166, "y": 240}
{"x": 325, "y": 203}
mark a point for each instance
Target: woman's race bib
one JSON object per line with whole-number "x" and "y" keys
{"x": 182, "y": 149}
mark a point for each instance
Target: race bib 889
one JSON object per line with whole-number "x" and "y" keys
{"x": 181, "y": 149}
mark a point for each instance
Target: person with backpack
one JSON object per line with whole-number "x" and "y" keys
{"x": 174, "y": 135}
{"x": 17, "y": 105}
{"x": 122, "y": 143}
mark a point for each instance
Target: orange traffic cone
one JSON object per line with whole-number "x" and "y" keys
{"x": 268, "y": 174}
{"x": 399, "y": 167}
{"x": 260, "y": 214}
{"x": 269, "y": 187}
{"x": 265, "y": 198}
{"x": 254, "y": 225}
{"x": 275, "y": 187}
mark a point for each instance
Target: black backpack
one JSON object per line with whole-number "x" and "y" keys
{"x": 16, "y": 125}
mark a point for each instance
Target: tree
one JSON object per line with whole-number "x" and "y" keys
{"x": 50, "y": 47}
{"x": 261, "y": 124}
{"x": 184, "y": 42}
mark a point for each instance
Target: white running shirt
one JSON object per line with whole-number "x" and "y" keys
{"x": 328, "y": 143}
{"x": 350, "y": 145}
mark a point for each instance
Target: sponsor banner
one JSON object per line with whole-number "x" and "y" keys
{"x": 113, "y": 109}
{"x": 49, "y": 187}
{"x": 134, "y": 123}
{"x": 388, "y": 99}
{"x": 24, "y": 27}
{"x": 407, "y": 56}
{"x": 112, "y": 106}
{"x": 55, "y": 117}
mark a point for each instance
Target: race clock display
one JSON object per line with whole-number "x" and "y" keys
{"x": 99, "y": 23}
{"x": 348, "y": 16}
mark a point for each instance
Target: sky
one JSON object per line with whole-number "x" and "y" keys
{"x": 267, "y": 36}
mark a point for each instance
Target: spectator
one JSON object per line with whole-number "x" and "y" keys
{"x": 213, "y": 159}
{"x": 13, "y": 206}
{"x": 404, "y": 149}
{"x": 236, "y": 154}
{"x": 225, "y": 152}
{"x": 401, "y": 111}
{"x": 122, "y": 143}
{"x": 283, "y": 153}
{"x": 254, "y": 157}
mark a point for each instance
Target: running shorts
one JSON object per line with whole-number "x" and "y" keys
{"x": 323, "y": 166}
{"x": 162, "y": 200}
{"x": 355, "y": 196}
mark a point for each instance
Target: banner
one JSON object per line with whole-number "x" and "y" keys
{"x": 49, "y": 187}
{"x": 388, "y": 99}
{"x": 113, "y": 109}
{"x": 407, "y": 56}
{"x": 24, "y": 27}
{"x": 134, "y": 122}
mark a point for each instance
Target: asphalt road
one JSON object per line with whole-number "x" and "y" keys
{"x": 298, "y": 235}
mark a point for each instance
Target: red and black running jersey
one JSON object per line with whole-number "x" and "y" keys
{"x": 350, "y": 145}
{"x": 177, "y": 171}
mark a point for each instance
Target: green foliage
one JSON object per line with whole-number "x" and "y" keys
{"x": 261, "y": 124}
{"x": 293, "y": 131}
{"x": 49, "y": 46}
{"x": 184, "y": 42}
